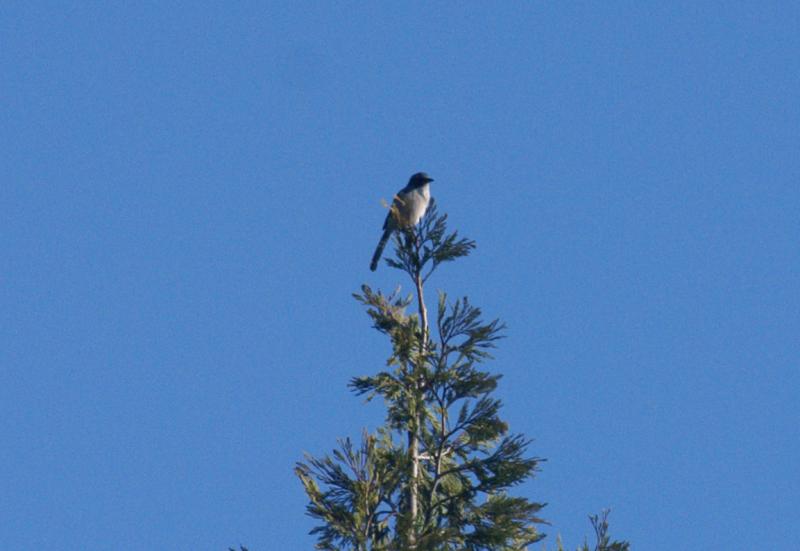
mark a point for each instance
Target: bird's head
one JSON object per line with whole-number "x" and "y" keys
{"x": 419, "y": 179}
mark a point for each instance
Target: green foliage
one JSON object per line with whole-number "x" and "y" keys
{"x": 604, "y": 543}
{"x": 356, "y": 502}
{"x": 602, "y": 539}
{"x": 428, "y": 245}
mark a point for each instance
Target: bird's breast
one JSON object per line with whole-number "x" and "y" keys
{"x": 408, "y": 207}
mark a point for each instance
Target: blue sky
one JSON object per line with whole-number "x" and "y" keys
{"x": 192, "y": 191}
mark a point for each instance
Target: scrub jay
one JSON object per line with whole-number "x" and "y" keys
{"x": 408, "y": 207}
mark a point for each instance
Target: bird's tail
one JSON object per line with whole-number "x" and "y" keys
{"x": 387, "y": 233}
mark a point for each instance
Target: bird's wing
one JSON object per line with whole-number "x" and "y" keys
{"x": 394, "y": 211}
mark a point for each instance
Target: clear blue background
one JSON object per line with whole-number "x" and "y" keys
{"x": 190, "y": 193}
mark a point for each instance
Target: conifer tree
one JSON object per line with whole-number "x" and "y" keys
{"x": 438, "y": 475}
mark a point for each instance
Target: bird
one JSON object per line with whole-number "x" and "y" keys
{"x": 407, "y": 209}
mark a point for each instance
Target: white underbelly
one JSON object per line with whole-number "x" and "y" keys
{"x": 415, "y": 203}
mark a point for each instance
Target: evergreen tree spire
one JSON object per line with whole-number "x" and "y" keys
{"x": 436, "y": 476}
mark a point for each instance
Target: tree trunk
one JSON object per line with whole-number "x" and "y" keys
{"x": 413, "y": 435}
